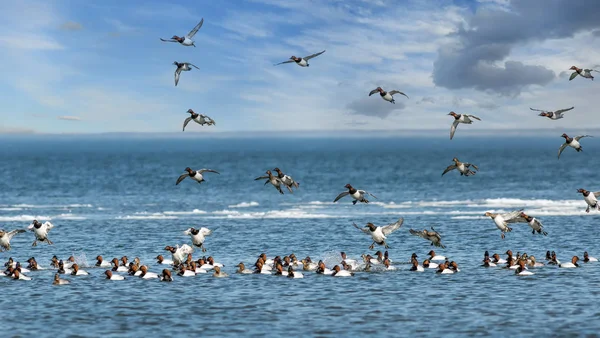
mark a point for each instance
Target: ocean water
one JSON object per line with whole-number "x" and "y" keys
{"x": 118, "y": 197}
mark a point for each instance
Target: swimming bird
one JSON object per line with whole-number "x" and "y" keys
{"x": 388, "y": 96}
{"x": 587, "y": 258}
{"x": 198, "y": 236}
{"x": 379, "y": 233}
{"x": 571, "y": 264}
{"x": 41, "y": 231}
{"x": 59, "y": 281}
{"x": 357, "y": 195}
{"x": 294, "y": 274}
{"x": 571, "y": 142}
{"x": 521, "y": 270}
{"x": 117, "y": 267}
{"x": 186, "y": 40}
{"x": 76, "y": 272}
{"x": 586, "y": 73}
{"x": 287, "y": 180}
{"x": 161, "y": 260}
{"x": 195, "y": 175}
{"x": 443, "y": 269}
{"x": 101, "y": 263}
{"x": 145, "y": 274}
{"x": 590, "y": 198}
{"x": 338, "y": 272}
{"x": 462, "y": 167}
{"x": 302, "y": 62}
{"x": 182, "y": 66}
{"x": 6, "y": 236}
{"x": 415, "y": 266}
{"x": 460, "y": 118}
{"x": 274, "y": 180}
{"x": 242, "y": 269}
{"x": 166, "y": 276}
{"x": 535, "y": 224}
{"x": 434, "y": 257}
{"x": 553, "y": 115}
{"x": 433, "y": 236}
{"x": 219, "y": 273}
{"x": 111, "y": 276}
{"x": 198, "y": 118}
{"x": 502, "y": 220}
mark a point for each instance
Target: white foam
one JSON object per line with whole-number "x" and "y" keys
{"x": 291, "y": 213}
{"x": 41, "y": 206}
{"x": 244, "y": 205}
{"x": 156, "y": 215}
{"x": 70, "y": 216}
{"x": 25, "y": 218}
{"x": 193, "y": 212}
{"x": 10, "y": 209}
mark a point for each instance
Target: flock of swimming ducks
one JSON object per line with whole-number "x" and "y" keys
{"x": 183, "y": 264}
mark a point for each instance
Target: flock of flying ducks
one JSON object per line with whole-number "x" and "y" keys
{"x": 184, "y": 265}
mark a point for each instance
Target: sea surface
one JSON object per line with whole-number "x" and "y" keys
{"x": 113, "y": 197}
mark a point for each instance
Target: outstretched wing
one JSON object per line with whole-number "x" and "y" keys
{"x": 475, "y": 117}
{"x": 195, "y": 30}
{"x": 560, "y": 111}
{"x": 185, "y": 123}
{"x": 514, "y": 217}
{"x": 560, "y": 150}
{"x": 313, "y": 56}
{"x": 186, "y": 249}
{"x": 201, "y": 171}
{"x": 177, "y": 72}
{"x": 168, "y": 40}
{"x": 191, "y": 64}
{"x": 373, "y": 92}
{"x": 471, "y": 165}
{"x": 181, "y": 178}
{"x": 393, "y": 92}
{"x": 288, "y": 61}
{"x": 537, "y": 109}
{"x": 597, "y": 194}
{"x": 10, "y": 234}
{"x": 418, "y": 233}
{"x": 453, "y": 128}
{"x": 340, "y": 196}
{"x": 366, "y": 192}
{"x": 388, "y": 229}
{"x": 581, "y": 136}
{"x": 205, "y": 231}
{"x": 261, "y": 178}
{"x": 365, "y": 230}
{"x": 573, "y": 75}
{"x": 449, "y": 168}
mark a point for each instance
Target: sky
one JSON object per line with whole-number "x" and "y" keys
{"x": 97, "y": 67}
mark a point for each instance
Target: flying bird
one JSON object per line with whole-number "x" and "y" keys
{"x": 287, "y": 180}
{"x": 198, "y": 236}
{"x": 462, "y": 167}
{"x": 357, "y": 195}
{"x": 186, "y": 40}
{"x": 379, "y": 233}
{"x": 196, "y": 175}
{"x": 433, "y": 236}
{"x": 535, "y": 224}
{"x": 183, "y": 66}
{"x": 460, "y": 118}
{"x": 571, "y": 142}
{"x": 198, "y": 118}
{"x": 591, "y": 198}
{"x": 586, "y": 73}
{"x": 274, "y": 180}
{"x": 502, "y": 220}
{"x": 40, "y": 231}
{"x": 302, "y": 62}
{"x": 388, "y": 96}
{"x": 553, "y": 115}
{"x": 6, "y": 236}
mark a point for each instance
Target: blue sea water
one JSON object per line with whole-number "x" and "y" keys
{"x": 116, "y": 197}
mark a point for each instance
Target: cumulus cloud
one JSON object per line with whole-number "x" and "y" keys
{"x": 69, "y": 118}
{"x": 475, "y": 58}
{"x": 71, "y": 26}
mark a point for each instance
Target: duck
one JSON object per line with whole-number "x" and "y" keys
{"x": 502, "y": 220}
{"x": 165, "y": 276}
{"x": 462, "y": 167}
{"x": 587, "y": 258}
{"x": 102, "y": 263}
{"x": 186, "y": 40}
{"x": 32, "y": 264}
{"x": 198, "y": 236}
{"x": 352, "y": 262}
{"x": 443, "y": 269}
{"x": 274, "y": 180}
{"x": 357, "y": 195}
{"x": 212, "y": 262}
{"x": 302, "y": 62}
{"x": 572, "y": 264}
{"x": 219, "y": 273}
{"x": 497, "y": 259}
{"x": 427, "y": 264}
{"x": 552, "y": 115}
{"x": 59, "y": 281}
{"x": 76, "y": 272}
{"x": 388, "y": 265}
{"x": 415, "y": 266}
{"x": 179, "y": 254}
{"x": 195, "y": 175}
{"x": 161, "y": 260}
{"x": 62, "y": 269}
{"x": 433, "y": 236}
{"x": 338, "y": 272}
{"x": 124, "y": 260}
{"x": 460, "y": 118}
{"x": 294, "y": 274}
{"x": 533, "y": 263}
{"x": 368, "y": 260}
{"x": 182, "y": 66}
{"x": 117, "y": 267}
{"x": 21, "y": 269}
{"x": 521, "y": 270}
{"x": 488, "y": 263}
{"x": 194, "y": 267}
{"x": 41, "y": 231}
{"x": 109, "y": 275}
{"x": 19, "y": 275}
{"x": 453, "y": 266}
{"x": 379, "y": 233}
{"x": 145, "y": 274}
{"x": 388, "y": 96}
{"x": 585, "y": 73}
{"x": 242, "y": 269}
{"x": 553, "y": 260}
{"x": 184, "y": 272}
{"x": 571, "y": 142}
{"x": 287, "y": 180}
{"x": 308, "y": 265}
{"x": 434, "y": 257}
{"x": 322, "y": 270}
{"x": 6, "y": 236}
{"x": 198, "y": 118}
{"x": 590, "y": 198}
{"x": 535, "y": 224}
{"x": 260, "y": 269}
{"x": 279, "y": 270}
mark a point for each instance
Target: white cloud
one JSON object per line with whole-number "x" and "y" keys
{"x": 69, "y": 118}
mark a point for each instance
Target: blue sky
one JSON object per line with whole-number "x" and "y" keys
{"x": 84, "y": 67}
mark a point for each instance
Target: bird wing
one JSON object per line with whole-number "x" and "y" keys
{"x": 471, "y": 165}
{"x": 537, "y": 109}
{"x": 580, "y": 136}
{"x": 48, "y": 225}
{"x": 185, "y": 249}
{"x": 185, "y": 123}
{"x": 208, "y": 170}
{"x": 560, "y": 150}
{"x": 205, "y": 231}
{"x": 453, "y": 128}
{"x": 560, "y": 111}
{"x": 195, "y": 30}
{"x": 573, "y": 75}
{"x": 514, "y": 217}
{"x": 168, "y": 40}
{"x": 366, "y": 192}
{"x": 191, "y": 64}
{"x": 418, "y": 233}
{"x": 388, "y": 229}
{"x": 211, "y": 120}
{"x": 340, "y": 196}
{"x": 365, "y": 229}
{"x": 181, "y": 178}
{"x": 313, "y": 56}
{"x": 373, "y": 92}
{"x": 393, "y": 92}
{"x": 288, "y": 61}
{"x": 261, "y": 178}
{"x": 10, "y": 234}
{"x": 597, "y": 194}
{"x": 177, "y": 72}
{"x": 473, "y": 116}
{"x": 449, "y": 168}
